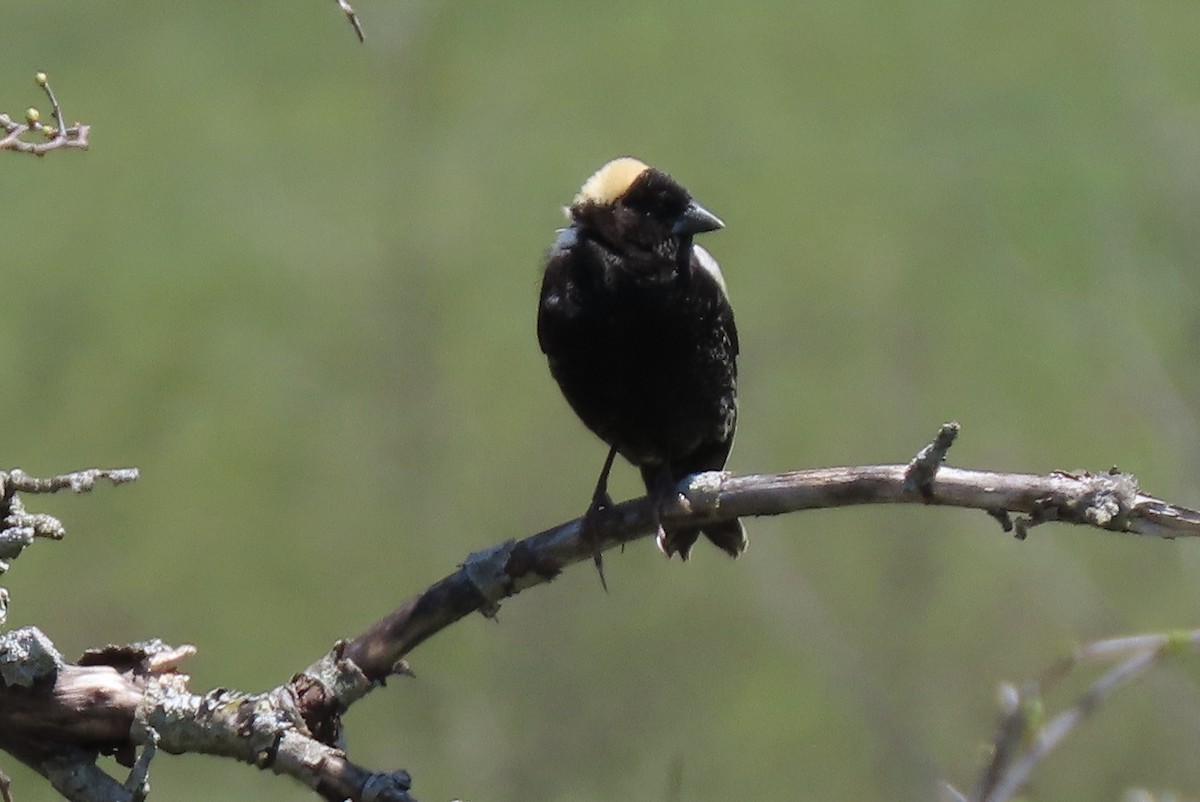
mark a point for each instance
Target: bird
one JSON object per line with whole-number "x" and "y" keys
{"x": 635, "y": 322}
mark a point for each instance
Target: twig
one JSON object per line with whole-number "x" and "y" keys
{"x": 948, "y": 793}
{"x": 353, "y": 17}
{"x": 57, "y": 136}
{"x": 81, "y": 481}
{"x": 19, "y": 528}
{"x": 924, "y": 466}
{"x": 138, "y": 783}
{"x": 1022, "y": 742}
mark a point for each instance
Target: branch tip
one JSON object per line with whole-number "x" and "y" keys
{"x": 352, "y": 17}
{"x": 81, "y": 481}
{"x": 951, "y": 794}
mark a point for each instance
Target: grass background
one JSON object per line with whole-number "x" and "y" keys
{"x": 294, "y": 281}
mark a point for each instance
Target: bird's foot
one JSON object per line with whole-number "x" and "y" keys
{"x": 661, "y": 538}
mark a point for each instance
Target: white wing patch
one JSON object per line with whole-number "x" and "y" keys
{"x": 709, "y": 265}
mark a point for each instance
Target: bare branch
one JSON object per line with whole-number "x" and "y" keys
{"x": 20, "y": 528}
{"x": 17, "y": 481}
{"x": 1106, "y": 501}
{"x": 59, "y": 135}
{"x": 344, "y": 5}
{"x": 57, "y": 717}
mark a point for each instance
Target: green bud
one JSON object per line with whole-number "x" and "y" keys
{"x": 1178, "y": 641}
{"x": 41, "y": 79}
{"x": 32, "y": 115}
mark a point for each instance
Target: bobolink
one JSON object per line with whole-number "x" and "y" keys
{"x": 636, "y": 324}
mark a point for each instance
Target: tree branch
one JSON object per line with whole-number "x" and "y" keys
{"x": 61, "y": 716}
{"x": 1108, "y": 501}
{"x": 53, "y": 137}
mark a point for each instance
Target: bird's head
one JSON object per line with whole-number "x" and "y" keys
{"x": 627, "y": 203}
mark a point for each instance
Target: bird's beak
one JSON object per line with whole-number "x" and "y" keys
{"x": 696, "y": 220}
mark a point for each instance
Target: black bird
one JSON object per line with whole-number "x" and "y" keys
{"x": 636, "y": 324}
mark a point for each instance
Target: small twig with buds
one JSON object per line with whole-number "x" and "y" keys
{"x": 56, "y": 136}
{"x": 344, "y": 5}
{"x": 1024, "y": 738}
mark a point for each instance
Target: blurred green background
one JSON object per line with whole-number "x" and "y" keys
{"x": 294, "y": 281}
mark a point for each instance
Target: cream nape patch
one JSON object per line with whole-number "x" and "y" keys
{"x": 611, "y": 181}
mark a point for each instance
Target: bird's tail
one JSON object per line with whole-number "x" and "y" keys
{"x": 728, "y": 536}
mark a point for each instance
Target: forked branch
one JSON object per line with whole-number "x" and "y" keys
{"x": 120, "y": 699}
{"x": 36, "y": 137}
{"x": 1026, "y": 735}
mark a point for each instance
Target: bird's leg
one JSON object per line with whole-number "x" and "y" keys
{"x": 600, "y": 497}
{"x": 601, "y": 502}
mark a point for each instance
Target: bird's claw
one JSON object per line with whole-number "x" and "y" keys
{"x": 594, "y": 521}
